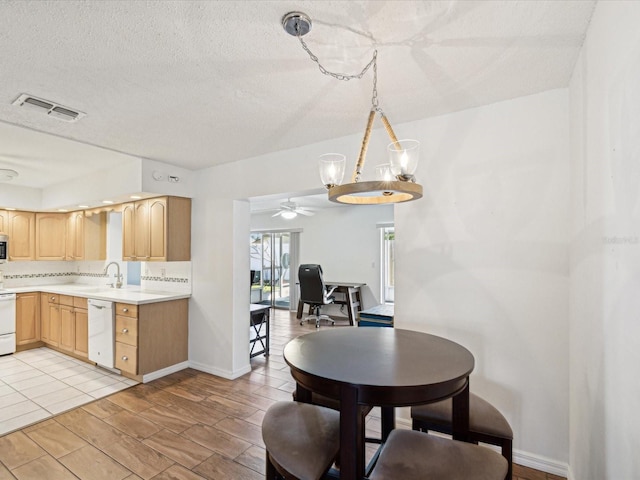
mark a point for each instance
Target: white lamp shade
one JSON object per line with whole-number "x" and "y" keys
{"x": 331, "y": 167}
{"x": 403, "y": 157}
{"x": 383, "y": 173}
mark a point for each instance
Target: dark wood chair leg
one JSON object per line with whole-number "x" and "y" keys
{"x": 271, "y": 473}
{"x": 507, "y": 452}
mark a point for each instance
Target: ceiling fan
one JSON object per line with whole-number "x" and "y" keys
{"x": 291, "y": 209}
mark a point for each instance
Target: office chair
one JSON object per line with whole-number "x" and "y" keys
{"x": 314, "y": 292}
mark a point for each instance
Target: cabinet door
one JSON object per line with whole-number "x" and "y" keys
{"x": 157, "y": 229}
{"x": 4, "y": 221}
{"x": 44, "y": 318}
{"x": 75, "y": 236}
{"x": 67, "y": 328}
{"x": 22, "y": 226}
{"x": 27, "y": 318}
{"x": 92, "y": 235}
{"x": 82, "y": 332}
{"x": 141, "y": 230}
{"x": 128, "y": 233}
{"x": 51, "y": 233}
{"x": 54, "y": 324}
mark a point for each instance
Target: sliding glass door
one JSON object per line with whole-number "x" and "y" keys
{"x": 271, "y": 269}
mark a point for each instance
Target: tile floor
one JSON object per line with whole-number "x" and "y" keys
{"x": 186, "y": 426}
{"x": 36, "y": 384}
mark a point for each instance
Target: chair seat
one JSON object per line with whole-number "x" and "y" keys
{"x": 301, "y": 439}
{"x": 484, "y": 418}
{"x": 411, "y": 455}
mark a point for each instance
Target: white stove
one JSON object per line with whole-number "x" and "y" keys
{"x": 7, "y": 322}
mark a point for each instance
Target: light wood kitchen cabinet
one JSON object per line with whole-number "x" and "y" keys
{"x": 67, "y": 324}
{"x": 21, "y": 228}
{"x": 86, "y": 236}
{"x": 51, "y": 236}
{"x": 81, "y": 346}
{"x": 4, "y": 221}
{"x": 50, "y": 318}
{"x": 27, "y": 318}
{"x": 152, "y": 336}
{"x": 157, "y": 229}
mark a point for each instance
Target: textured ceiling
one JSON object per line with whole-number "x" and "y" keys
{"x": 200, "y": 83}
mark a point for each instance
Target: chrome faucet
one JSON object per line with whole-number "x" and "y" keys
{"x": 118, "y": 274}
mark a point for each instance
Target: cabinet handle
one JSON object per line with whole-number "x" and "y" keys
{"x": 52, "y": 299}
{"x": 125, "y": 330}
{"x": 125, "y": 358}
{"x": 125, "y": 309}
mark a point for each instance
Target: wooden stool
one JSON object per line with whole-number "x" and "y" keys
{"x": 486, "y": 423}
{"x": 301, "y": 440}
{"x": 411, "y": 455}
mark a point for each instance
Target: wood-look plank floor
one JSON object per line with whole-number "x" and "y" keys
{"x": 186, "y": 426}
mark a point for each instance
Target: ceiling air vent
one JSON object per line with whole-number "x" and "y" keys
{"x": 52, "y": 109}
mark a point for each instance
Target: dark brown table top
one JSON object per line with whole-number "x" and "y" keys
{"x": 379, "y": 359}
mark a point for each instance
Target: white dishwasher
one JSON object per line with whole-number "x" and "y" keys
{"x": 101, "y": 332}
{"x": 7, "y": 322}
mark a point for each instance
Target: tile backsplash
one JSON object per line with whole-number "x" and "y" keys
{"x": 163, "y": 276}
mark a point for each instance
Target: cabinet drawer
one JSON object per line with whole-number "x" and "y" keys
{"x": 127, "y": 330}
{"x": 127, "y": 310}
{"x": 126, "y": 358}
{"x": 52, "y": 297}
{"x": 80, "y": 302}
{"x": 66, "y": 300}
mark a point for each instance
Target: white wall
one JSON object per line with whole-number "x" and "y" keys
{"x": 344, "y": 240}
{"x": 605, "y": 248}
{"x": 482, "y": 259}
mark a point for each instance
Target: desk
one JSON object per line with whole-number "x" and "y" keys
{"x": 259, "y": 317}
{"x": 352, "y": 299}
{"x": 382, "y": 367}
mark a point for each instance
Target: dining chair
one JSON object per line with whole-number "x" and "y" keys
{"x": 301, "y": 440}
{"x": 486, "y": 424}
{"x": 314, "y": 292}
{"x": 412, "y": 455}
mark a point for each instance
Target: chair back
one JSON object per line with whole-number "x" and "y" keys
{"x": 312, "y": 288}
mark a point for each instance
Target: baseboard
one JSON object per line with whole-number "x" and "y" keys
{"x": 541, "y": 463}
{"x": 228, "y": 374}
{"x": 525, "y": 459}
{"x": 164, "y": 371}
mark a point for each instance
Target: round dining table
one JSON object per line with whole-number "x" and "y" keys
{"x": 384, "y": 367}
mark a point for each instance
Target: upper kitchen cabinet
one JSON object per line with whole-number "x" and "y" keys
{"x": 21, "y": 228}
{"x": 51, "y": 234}
{"x": 157, "y": 229}
{"x": 86, "y": 236}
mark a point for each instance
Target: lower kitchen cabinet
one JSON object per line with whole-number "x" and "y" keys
{"x": 152, "y": 336}
{"x": 81, "y": 316}
{"x": 27, "y": 318}
{"x": 64, "y": 323}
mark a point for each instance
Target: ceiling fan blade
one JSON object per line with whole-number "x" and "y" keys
{"x": 277, "y": 214}
{"x": 307, "y": 213}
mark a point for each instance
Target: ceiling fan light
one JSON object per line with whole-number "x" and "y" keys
{"x": 288, "y": 215}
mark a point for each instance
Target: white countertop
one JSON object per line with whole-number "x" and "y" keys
{"x": 134, "y": 295}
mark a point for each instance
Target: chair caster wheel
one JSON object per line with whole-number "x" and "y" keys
{"x": 301, "y": 323}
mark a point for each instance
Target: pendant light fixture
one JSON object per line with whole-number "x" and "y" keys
{"x": 395, "y": 181}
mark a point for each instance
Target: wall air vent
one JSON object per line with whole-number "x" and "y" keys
{"x": 52, "y": 109}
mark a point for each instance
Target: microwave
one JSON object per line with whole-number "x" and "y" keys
{"x": 4, "y": 248}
